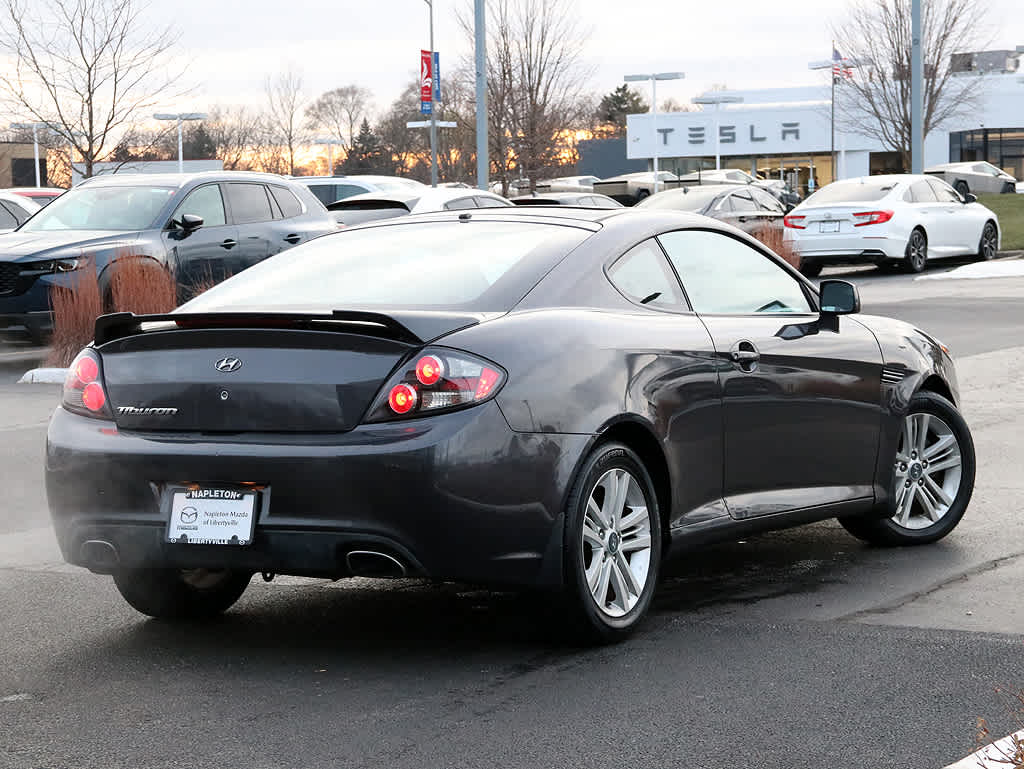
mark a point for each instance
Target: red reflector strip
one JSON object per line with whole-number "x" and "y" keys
{"x": 488, "y": 378}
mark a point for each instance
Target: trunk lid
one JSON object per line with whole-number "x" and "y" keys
{"x": 834, "y": 219}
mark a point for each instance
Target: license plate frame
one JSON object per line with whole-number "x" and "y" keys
{"x": 828, "y": 227}
{"x": 215, "y": 514}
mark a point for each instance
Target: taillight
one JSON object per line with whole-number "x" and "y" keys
{"x": 434, "y": 381}
{"x": 795, "y": 222}
{"x": 83, "y": 386}
{"x": 872, "y": 217}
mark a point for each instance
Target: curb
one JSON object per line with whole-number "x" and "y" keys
{"x": 44, "y": 376}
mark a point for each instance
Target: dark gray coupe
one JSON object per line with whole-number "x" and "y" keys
{"x": 540, "y": 398}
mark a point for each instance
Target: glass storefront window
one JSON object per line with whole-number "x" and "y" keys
{"x": 1002, "y": 147}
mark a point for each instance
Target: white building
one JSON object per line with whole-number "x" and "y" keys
{"x": 788, "y": 132}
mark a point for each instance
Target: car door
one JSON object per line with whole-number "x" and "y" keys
{"x": 960, "y": 229}
{"x": 769, "y": 209}
{"x": 288, "y": 229}
{"x": 207, "y": 255}
{"x": 801, "y": 392}
{"x": 251, "y": 211}
{"x": 927, "y": 212}
{"x": 744, "y": 212}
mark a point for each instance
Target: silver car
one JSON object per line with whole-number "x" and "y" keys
{"x": 630, "y": 189}
{"x": 977, "y": 177}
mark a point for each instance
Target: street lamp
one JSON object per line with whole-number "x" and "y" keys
{"x": 35, "y": 142}
{"x": 717, "y": 99}
{"x": 654, "y": 77}
{"x": 433, "y": 102}
{"x": 180, "y": 117}
{"x": 330, "y": 153}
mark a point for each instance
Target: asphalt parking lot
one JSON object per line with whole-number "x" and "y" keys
{"x": 801, "y": 648}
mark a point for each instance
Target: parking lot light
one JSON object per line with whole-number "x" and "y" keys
{"x": 718, "y": 99}
{"x": 180, "y": 117}
{"x": 654, "y": 77}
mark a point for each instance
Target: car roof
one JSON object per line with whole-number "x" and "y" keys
{"x": 19, "y": 200}
{"x": 562, "y": 196}
{"x": 36, "y": 190}
{"x": 180, "y": 180}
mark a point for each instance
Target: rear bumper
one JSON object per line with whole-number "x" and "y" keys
{"x": 456, "y": 496}
{"x": 846, "y": 249}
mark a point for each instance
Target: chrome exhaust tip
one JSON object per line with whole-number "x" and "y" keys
{"x": 99, "y": 556}
{"x": 370, "y": 563}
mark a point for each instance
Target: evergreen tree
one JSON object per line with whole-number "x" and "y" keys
{"x": 367, "y": 154}
{"x": 614, "y": 107}
{"x": 197, "y": 144}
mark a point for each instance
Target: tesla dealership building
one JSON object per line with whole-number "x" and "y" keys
{"x": 787, "y": 132}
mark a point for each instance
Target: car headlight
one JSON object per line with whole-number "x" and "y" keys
{"x": 52, "y": 265}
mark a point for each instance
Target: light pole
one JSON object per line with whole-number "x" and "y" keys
{"x": 654, "y": 77}
{"x": 330, "y": 153}
{"x": 480, "y": 34}
{"x": 433, "y": 101}
{"x": 35, "y": 142}
{"x": 180, "y": 117}
{"x": 718, "y": 99}
{"x": 916, "y": 90}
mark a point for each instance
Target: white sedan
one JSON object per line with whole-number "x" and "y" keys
{"x": 903, "y": 220}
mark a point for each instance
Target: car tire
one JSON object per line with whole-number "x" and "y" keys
{"x": 915, "y": 256}
{"x": 181, "y": 594}
{"x": 913, "y": 521}
{"x": 598, "y": 566}
{"x": 641, "y": 195}
{"x": 1008, "y": 188}
{"x": 988, "y": 245}
{"x": 810, "y": 269}
{"x": 961, "y": 187}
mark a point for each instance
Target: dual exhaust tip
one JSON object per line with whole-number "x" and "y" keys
{"x": 101, "y": 557}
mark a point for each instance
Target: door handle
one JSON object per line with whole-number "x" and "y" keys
{"x": 743, "y": 219}
{"x": 745, "y": 355}
{"x": 293, "y": 238}
{"x": 229, "y": 244}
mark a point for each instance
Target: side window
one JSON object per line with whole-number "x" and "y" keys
{"x": 205, "y": 201}
{"x": 324, "y": 192}
{"x": 921, "y": 192}
{"x": 484, "y": 202}
{"x": 724, "y": 204}
{"x": 944, "y": 192}
{"x": 724, "y": 275}
{"x": 741, "y": 201}
{"x": 249, "y": 203}
{"x": 643, "y": 275}
{"x": 8, "y": 221}
{"x": 459, "y": 203}
{"x": 342, "y": 191}
{"x": 766, "y": 201}
{"x": 286, "y": 201}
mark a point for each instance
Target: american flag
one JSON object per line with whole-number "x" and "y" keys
{"x": 840, "y": 67}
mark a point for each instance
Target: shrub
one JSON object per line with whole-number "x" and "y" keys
{"x": 74, "y": 314}
{"x": 142, "y": 286}
{"x": 772, "y": 237}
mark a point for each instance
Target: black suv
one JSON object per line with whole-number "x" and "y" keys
{"x": 203, "y": 227}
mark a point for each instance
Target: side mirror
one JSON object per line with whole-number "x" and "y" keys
{"x": 839, "y": 297}
{"x": 970, "y": 197}
{"x": 191, "y": 222}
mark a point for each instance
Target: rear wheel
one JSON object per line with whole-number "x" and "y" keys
{"x": 181, "y": 593}
{"x": 934, "y": 467}
{"x": 811, "y": 269}
{"x": 988, "y": 248}
{"x": 641, "y": 195}
{"x": 916, "y": 254}
{"x": 962, "y": 188}
{"x": 612, "y": 545}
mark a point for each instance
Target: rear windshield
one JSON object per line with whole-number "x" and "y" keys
{"x": 694, "y": 199}
{"x": 483, "y": 266}
{"x": 850, "y": 192}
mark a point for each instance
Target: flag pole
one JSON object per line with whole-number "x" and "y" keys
{"x": 834, "y": 174}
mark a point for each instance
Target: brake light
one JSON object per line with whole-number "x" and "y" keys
{"x": 84, "y": 392}
{"x": 795, "y": 222}
{"x": 872, "y": 217}
{"x": 437, "y": 380}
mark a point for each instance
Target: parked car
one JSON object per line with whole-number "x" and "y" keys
{"x": 630, "y": 189}
{"x": 568, "y": 184}
{"x": 38, "y": 195}
{"x": 203, "y": 227}
{"x": 553, "y": 401}
{"x": 746, "y": 207}
{"x": 778, "y": 188}
{"x": 895, "y": 220}
{"x": 329, "y": 189}
{"x": 978, "y": 177}
{"x": 15, "y": 210}
{"x": 372, "y": 205}
{"x": 581, "y": 199}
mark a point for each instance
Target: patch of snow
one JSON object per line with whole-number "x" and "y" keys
{"x": 1003, "y": 268}
{"x": 44, "y": 376}
{"x": 995, "y": 756}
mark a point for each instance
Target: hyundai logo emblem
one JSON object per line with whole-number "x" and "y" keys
{"x": 227, "y": 365}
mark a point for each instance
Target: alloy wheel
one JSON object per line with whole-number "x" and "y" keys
{"x": 616, "y": 543}
{"x": 917, "y": 251}
{"x": 988, "y": 242}
{"x": 929, "y": 468}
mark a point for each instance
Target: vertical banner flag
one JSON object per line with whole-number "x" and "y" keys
{"x": 437, "y": 77}
{"x": 426, "y": 76}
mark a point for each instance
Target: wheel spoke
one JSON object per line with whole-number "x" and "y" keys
{"x": 922, "y": 434}
{"x": 626, "y": 577}
{"x": 936, "y": 491}
{"x": 634, "y": 543}
{"x": 941, "y": 446}
{"x": 591, "y": 536}
{"x": 600, "y": 590}
{"x": 909, "y": 435}
{"x": 906, "y": 504}
{"x": 619, "y": 583}
{"x": 928, "y": 503}
{"x": 595, "y": 513}
{"x": 944, "y": 464}
{"x": 636, "y": 516}
{"x": 615, "y": 498}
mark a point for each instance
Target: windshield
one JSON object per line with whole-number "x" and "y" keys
{"x": 479, "y": 266}
{"x": 850, "y": 192}
{"x": 102, "y": 208}
{"x": 695, "y": 199}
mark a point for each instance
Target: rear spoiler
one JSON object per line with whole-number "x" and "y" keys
{"x": 411, "y": 327}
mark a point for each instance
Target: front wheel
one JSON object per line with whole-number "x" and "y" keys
{"x": 612, "y": 545}
{"x": 987, "y": 247}
{"x": 810, "y": 269}
{"x": 915, "y": 256}
{"x": 934, "y": 477}
{"x": 181, "y": 594}
{"x": 962, "y": 188}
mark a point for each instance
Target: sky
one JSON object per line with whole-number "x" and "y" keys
{"x": 744, "y": 44}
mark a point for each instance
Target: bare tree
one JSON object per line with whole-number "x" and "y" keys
{"x": 88, "y": 69}
{"x": 339, "y": 112}
{"x": 235, "y": 134}
{"x": 408, "y": 148}
{"x": 876, "y": 101}
{"x": 283, "y": 121}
